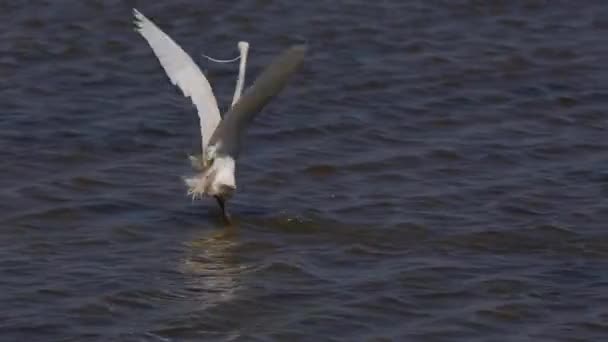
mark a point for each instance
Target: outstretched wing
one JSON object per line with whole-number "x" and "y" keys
{"x": 229, "y": 132}
{"x": 184, "y": 73}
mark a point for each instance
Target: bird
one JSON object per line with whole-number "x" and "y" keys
{"x": 221, "y": 136}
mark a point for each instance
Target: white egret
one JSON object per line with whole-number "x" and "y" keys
{"x": 221, "y": 137}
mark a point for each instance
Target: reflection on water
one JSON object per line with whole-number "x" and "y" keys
{"x": 213, "y": 272}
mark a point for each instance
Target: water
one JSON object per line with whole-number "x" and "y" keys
{"x": 436, "y": 172}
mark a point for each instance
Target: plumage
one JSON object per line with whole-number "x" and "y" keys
{"x": 184, "y": 73}
{"x": 220, "y": 137}
{"x": 273, "y": 79}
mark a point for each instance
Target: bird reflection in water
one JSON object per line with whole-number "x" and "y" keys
{"x": 211, "y": 269}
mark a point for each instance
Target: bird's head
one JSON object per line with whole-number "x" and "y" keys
{"x": 217, "y": 177}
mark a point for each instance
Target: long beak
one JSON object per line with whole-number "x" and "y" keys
{"x": 222, "y": 204}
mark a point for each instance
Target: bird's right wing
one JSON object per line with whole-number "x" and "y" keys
{"x": 184, "y": 73}
{"x": 228, "y": 135}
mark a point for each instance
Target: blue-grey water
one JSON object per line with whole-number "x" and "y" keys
{"x": 437, "y": 171}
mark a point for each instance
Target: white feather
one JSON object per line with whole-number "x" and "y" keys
{"x": 197, "y": 185}
{"x": 213, "y": 180}
{"x": 184, "y": 73}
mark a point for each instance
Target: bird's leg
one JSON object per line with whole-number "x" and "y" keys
{"x": 225, "y": 214}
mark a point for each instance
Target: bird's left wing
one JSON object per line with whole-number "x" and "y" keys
{"x": 184, "y": 73}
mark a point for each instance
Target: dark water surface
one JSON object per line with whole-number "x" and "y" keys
{"x": 438, "y": 171}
